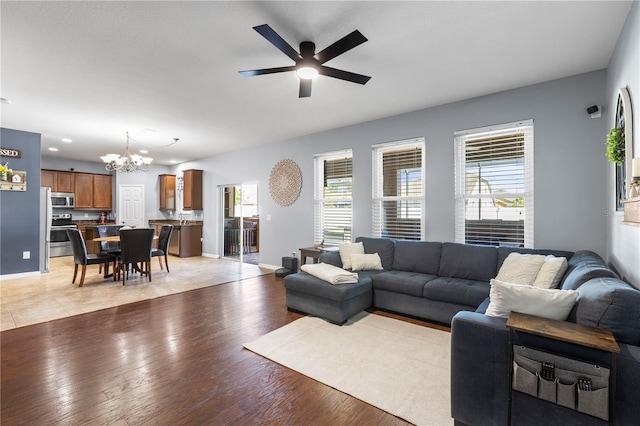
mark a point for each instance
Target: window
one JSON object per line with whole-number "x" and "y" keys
{"x": 398, "y": 190}
{"x": 494, "y": 185}
{"x": 333, "y": 197}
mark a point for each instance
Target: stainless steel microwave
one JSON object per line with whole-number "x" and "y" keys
{"x": 63, "y": 200}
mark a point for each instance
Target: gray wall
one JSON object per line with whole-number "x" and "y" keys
{"x": 570, "y": 167}
{"x": 623, "y": 241}
{"x": 20, "y": 210}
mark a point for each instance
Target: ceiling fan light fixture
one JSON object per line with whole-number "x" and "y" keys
{"x": 307, "y": 73}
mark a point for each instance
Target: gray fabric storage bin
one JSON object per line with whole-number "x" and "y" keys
{"x": 527, "y": 365}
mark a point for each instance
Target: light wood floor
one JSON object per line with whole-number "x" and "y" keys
{"x": 45, "y": 297}
{"x": 172, "y": 360}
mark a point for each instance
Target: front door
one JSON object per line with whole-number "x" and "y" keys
{"x": 131, "y": 205}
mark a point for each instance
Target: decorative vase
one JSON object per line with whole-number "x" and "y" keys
{"x": 3, "y": 176}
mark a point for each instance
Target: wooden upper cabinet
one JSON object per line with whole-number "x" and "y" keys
{"x": 167, "y": 192}
{"x": 66, "y": 182}
{"x": 192, "y": 191}
{"x": 93, "y": 191}
{"x": 84, "y": 191}
{"x": 102, "y": 192}
{"x": 49, "y": 179}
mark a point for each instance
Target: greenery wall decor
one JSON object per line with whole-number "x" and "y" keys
{"x": 616, "y": 146}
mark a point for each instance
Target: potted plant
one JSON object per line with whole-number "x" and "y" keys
{"x": 615, "y": 145}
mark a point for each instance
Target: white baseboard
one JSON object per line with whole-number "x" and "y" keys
{"x": 267, "y": 266}
{"x": 19, "y": 275}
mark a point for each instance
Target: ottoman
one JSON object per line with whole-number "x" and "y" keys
{"x": 334, "y": 302}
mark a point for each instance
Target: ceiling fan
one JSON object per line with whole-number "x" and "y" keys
{"x": 309, "y": 63}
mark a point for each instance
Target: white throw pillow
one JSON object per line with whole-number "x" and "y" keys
{"x": 520, "y": 268}
{"x": 542, "y": 302}
{"x": 366, "y": 262}
{"x": 551, "y": 272}
{"x": 346, "y": 250}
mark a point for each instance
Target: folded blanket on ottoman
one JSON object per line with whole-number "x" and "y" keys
{"x": 330, "y": 273}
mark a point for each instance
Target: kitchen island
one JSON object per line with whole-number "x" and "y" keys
{"x": 186, "y": 239}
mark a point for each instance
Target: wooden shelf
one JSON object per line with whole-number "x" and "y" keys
{"x": 564, "y": 331}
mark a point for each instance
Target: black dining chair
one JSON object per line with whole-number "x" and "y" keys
{"x": 80, "y": 256}
{"x": 163, "y": 245}
{"x": 108, "y": 247}
{"x": 135, "y": 247}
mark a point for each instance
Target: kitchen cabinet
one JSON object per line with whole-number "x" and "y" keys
{"x": 186, "y": 241}
{"x": 192, "y": 190}
{"x": 102, "y": 192}
{"x": 58, "y": 181}
{"x": 66, "y": 182}
{"x": 93, "y": 191}
{"x": 186, "y": 238}
{"x": 167, "y": 192}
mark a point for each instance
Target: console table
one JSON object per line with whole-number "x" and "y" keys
{"x": 314, "y": 253}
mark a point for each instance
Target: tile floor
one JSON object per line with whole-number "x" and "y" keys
{"x": 45, "y": 297}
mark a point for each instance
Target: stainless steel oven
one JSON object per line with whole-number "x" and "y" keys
{"x": 60, "y": 244}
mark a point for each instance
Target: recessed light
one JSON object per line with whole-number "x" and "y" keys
{"x": 173, "y": 161}
{"x": 144, "y": 151}
{"x": 53, "y": 149}
{"x": 67, "y": 140}
{"x": 5, "y": 101}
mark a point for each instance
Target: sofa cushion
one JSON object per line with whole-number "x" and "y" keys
{"x": 346, "y": 250}
{"x": 611, "y": 304}
{"x": 471, "y": 262}
{"x": 583, "y": 272}
{"x": 457, "y": 290}
{"x": 308, "y": 284}
{"x": 503, "y": 252}
{"x": 411, "y": 283}
{"x": 542, "y": 302}
{"x": 520, "y": 268}
{"x": 366, "y": 262}
{"x": 551, "y": 272}
{"x": 584, "y": 256}
{"x": 383, "y": 246}
{"x": 417, "y": 256}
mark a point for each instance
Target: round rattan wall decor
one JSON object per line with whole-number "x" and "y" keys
{"x": 285, "y": 182}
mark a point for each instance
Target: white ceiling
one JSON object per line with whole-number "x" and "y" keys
{"x": 91, "y": 71}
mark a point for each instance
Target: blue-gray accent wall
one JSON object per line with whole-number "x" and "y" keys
{"x": 20, "y": 210}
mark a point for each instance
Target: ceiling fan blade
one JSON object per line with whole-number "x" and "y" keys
{"x": 305, "y": 88}
{"x": 274, "y": 38}
{"x": 251, "y": 73}
{"x": 343, "y": 75}
{"x": 346, "y": 43}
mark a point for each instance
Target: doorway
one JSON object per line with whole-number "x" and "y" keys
{"x": 131, "y": 205}
{"x": 241, "y": 223}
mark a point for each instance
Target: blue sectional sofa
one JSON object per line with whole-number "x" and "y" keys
{"x": 449, "y": 283}
{"x": 428, "y": 280}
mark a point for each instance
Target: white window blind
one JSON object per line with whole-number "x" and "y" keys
{"x": 333, "y": 197}
{"x": 494, "y": 185}
{"x": 398, "y": 190}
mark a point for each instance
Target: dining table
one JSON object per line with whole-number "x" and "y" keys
{"x": 116, "y": 239}
{"x": 113, "y": 239}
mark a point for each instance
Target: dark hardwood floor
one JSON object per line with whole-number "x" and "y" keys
{"x": 173, "y": 360}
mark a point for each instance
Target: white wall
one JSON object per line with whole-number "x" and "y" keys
{"x": 623, "y": 241}
{"x": 570, "y": 165}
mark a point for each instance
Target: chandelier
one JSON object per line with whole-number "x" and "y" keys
{"x": 128, "y": 163}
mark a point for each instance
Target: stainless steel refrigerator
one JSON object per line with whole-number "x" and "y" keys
{"x": 46, "y": 212}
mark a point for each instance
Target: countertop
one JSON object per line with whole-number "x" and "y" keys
{"x": 93, "y": 223}
{"x": 176, "y": 223}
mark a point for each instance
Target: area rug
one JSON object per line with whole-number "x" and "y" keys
{"x": 399, "y": 367}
